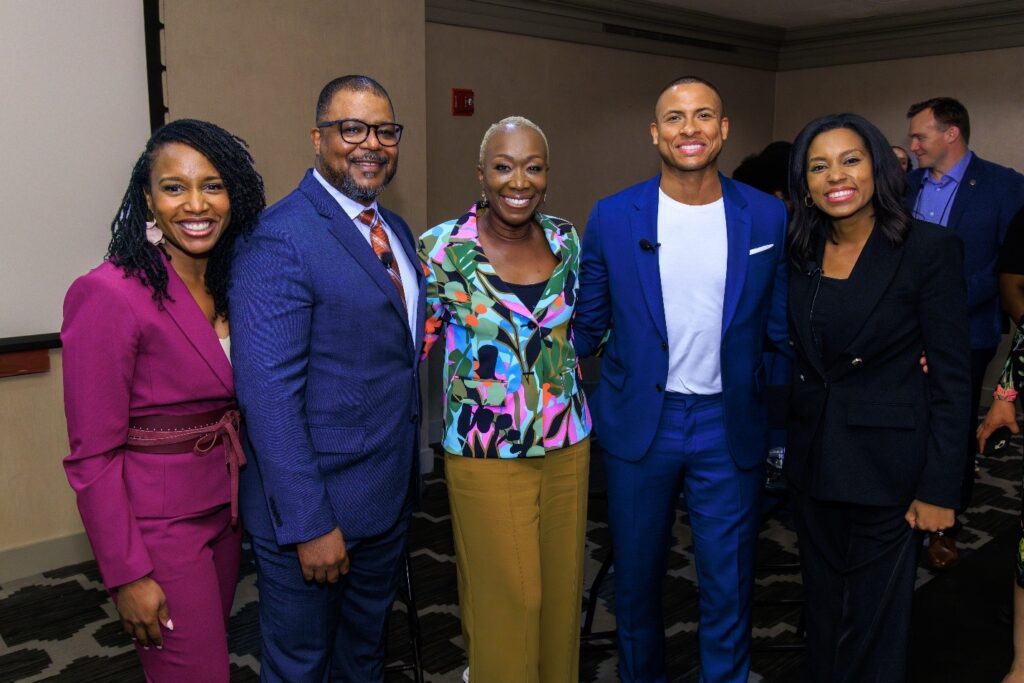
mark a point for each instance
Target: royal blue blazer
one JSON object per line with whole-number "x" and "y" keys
{"x": 620, "y": 292}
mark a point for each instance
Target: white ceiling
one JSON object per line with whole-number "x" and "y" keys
{"x": 791, "y": 14}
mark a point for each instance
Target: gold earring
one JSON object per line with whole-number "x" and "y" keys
{"x": 483, "y": 203}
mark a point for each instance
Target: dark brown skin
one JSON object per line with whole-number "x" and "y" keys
{"x": 515, "y": 168}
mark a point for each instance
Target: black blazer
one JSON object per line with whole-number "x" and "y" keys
{"x": 872, "y": 428}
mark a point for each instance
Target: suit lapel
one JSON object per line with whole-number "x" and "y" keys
{"x": 875, "y": 268}
{"x": 189, "y": 318}
{"x": 465, "y": 252}
{"x": 965, "y": 193}
{"x": 401, "y": 230}
{"x": 341, "y": 227}
{"x": 802, "y": 288}
{"x": 737, "y": 222}
{"x": 643, "y": 225}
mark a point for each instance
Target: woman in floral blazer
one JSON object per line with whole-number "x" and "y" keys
{"x": 501, "y": 290}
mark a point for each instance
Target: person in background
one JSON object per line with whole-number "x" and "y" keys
{"x": 976, "y": 199}
{"x": 768, "y": 171}
{"x": 686, "y": 274}
{"x": 903, "y": 158}
{"x": 875, "y": 445}
{"x": 328, "y": 321}
{"x": 502, "y": 284}
{"x": 150, "y": 401}
{"x": 1003, "y": 412}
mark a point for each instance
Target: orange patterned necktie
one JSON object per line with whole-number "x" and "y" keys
{"x": 382, "y": 248}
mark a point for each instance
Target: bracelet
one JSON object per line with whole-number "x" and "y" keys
{"x": 1003, "y": 394}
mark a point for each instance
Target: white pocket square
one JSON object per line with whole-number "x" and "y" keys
{"x": 763, "y": 247}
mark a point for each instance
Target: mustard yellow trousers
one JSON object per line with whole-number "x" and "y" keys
{"x": 519, "y": 528}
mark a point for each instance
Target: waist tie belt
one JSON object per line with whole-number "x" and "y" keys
{"x": 198, "y": 432}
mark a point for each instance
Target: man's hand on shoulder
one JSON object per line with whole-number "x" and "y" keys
{"x": 324, "y": 559}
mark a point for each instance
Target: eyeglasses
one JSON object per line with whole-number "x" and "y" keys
{"x": 354, "y": 131}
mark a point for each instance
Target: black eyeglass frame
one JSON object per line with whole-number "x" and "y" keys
{"x": 370, "y": 127}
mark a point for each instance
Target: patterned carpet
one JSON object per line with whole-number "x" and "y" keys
{"x": 60, "y": 626}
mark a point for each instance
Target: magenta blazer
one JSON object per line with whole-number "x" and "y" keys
{"x": 125, "y": 357}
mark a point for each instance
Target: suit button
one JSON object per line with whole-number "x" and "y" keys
{"x": 802, "y": 379}
{"x": 664, "y": 346}
{"x": 857, "y": 361}
{"x": 657, "y": 387}
{"x": 790, "y": 342}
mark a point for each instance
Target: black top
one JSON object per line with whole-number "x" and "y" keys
{"x": 1011, "y": 256}
{"x": 826, "y": 317}
{"x": 529, "y": 294}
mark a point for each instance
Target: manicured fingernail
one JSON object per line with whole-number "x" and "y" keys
{"x": 169, "y": 625}
{"x": 146, "y": 648}
{"x": 159, "y": 647}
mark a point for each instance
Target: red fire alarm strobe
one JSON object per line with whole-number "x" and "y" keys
{"x": 462, "y": 102}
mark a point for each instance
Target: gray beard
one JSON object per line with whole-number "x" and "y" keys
{"x": 344, "y": 184}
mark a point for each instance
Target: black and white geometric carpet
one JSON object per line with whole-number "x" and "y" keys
{"x": 60, "y": 626}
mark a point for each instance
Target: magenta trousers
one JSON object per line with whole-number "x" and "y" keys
{"x": 196, "y": 562}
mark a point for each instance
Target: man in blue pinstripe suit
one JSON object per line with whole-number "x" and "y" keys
{"x": 327, "y": 322}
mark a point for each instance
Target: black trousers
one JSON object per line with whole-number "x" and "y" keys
{"x": 859, "y": 565}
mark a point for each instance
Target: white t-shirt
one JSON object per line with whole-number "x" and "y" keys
{"x": 692, "y": 260}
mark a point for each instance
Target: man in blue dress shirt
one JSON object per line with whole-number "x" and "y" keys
{"x": 955, "y": 188}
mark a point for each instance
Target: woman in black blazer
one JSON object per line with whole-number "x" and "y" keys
{"x": 875, "y": 442}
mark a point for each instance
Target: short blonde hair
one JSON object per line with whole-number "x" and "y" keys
{"x": 508, "y": 123}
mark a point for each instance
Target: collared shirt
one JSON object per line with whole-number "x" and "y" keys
{"x": 512, "y": 382}
{"x": 352, "y": 209}
{"x": 935, "y": 197}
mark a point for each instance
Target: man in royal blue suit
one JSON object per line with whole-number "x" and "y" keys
{"x": 977, "y": 199}
{"x": 687, "y": 271}
{"x": 327, "y": 310}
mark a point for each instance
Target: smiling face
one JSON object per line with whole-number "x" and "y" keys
{"x": 689, "y": 128}
{"x": 933, "y": 144}
{"x": 360, "y": 171}
{"x": 514, "y": 175}
{"x": 840, "y": 179}
{"x": 188, "y": 200}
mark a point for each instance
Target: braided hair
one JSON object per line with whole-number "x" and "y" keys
{"x": 137, "y": 257}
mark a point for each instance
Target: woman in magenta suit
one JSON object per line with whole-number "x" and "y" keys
{"x": 149, "y": 399}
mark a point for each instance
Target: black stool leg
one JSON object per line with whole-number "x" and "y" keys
{"x": 414, "y": 621}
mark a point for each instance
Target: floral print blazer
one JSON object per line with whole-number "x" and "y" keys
{"x": 512, "y": 382}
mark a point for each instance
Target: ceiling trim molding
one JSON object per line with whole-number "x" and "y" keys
{"x": 964, "y": 29}
{"x": 645, "y": 26}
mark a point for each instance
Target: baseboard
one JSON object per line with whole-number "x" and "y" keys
{"x": 34, "y": 558}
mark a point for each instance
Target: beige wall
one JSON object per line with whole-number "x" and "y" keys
{"x": 36, "y": 503}
{"x": 593, "y": 103}
{"x": 260, "y": 77}
{"x": 988, "y": 83}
